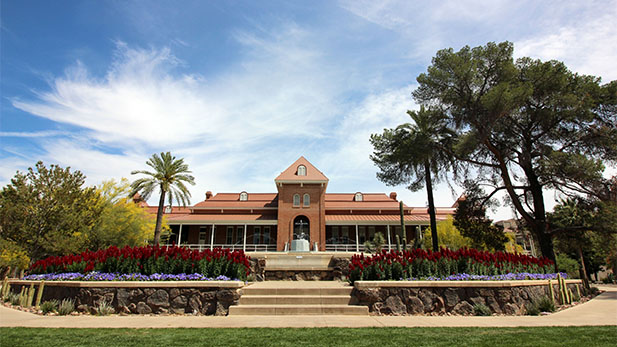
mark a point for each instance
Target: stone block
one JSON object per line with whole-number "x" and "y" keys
{"x": 158, "y": 299}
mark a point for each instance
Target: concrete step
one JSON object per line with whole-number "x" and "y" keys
{"x": 295, "y": 300}
{"x": 270, "y": 310}
{"x": 297, "y": 291}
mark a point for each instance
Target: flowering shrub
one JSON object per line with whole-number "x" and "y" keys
{"x": 419, "y": 263}
{"x": 100, "y": 276}
{"x": 150, "y": 261}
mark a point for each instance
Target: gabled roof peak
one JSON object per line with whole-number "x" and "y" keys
{"x": 309, "y": 174}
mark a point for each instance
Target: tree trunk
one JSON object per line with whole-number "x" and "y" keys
{"x": 159, "y": 218}
{"x": 431, "y": 205}
{"x": 583, "y": 268}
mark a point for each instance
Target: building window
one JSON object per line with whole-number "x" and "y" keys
{"x": 256, "y": 235}
{"x": 267, "y": 235}
{"x": 239, "y": 234}
{"x": 306, "y": 200}
{"x": 358, "y": 197}
{"x": 301, "y": 170}
{"x": 203, "y": 234}
{"x": 230, "y": 234}
{"x": 296, "y": 200}
{"x": 244, "y": 196}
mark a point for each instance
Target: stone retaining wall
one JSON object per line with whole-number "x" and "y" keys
{"x": 205, "y": 298}
{"x": 337, "y": 269}
{"x": 457, "y": 297}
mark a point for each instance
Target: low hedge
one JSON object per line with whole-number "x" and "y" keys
{"x": 150, "y": 260}
{"x": 420, "y": 264}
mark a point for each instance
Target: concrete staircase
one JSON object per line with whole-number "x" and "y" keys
{"x": 297, "y": 298}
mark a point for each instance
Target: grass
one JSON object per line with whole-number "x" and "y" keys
{"x": 536, "y": 336}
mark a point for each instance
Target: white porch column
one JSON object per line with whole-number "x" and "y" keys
{"x": 180, "y": 235}
{"x": 244, "y": 242}
{"x": 389, "y": 243}
{"x": 212, "y": 238}
{"x": 357, "y": 240}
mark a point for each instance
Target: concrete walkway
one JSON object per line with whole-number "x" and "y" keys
{"x": 600, "y": 311}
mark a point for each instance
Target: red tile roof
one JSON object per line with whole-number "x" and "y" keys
{"x": 209, "y": 218}
{"x": 377, "y": 218}
{"x": 291, "y": 173}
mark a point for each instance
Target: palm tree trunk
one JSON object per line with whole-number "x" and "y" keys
{"x": 159, "y": 218}
{"x": 431, "y": 205}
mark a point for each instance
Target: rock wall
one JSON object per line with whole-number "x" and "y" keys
{"x": 459, "y": 300}
{"x": 156, "y": 300}
{"x": 338, "y": 269}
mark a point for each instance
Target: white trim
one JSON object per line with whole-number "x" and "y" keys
{"x": 180, "y": 235}
{"x": 352, "y": 222}
{"x": 219, "y": 208}
{"x": 244, "y": 242}
{"x": 389, "y": 243}
{"x": 225, "y": 222}
{"x": 212, "y": 237}
{"x": 357, "y": 241}
{"x": 300, "y": 181}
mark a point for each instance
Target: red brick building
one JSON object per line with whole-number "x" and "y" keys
{"x": 301, "y": 208}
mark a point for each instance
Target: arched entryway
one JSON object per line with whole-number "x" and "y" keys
{"x": 302, "y": 228}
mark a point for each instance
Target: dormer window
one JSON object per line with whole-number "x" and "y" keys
{"x": 167, "y": 209}
{"x": 296, "y": 200}
{"x": 358, "y": 197}
{"x": 301, "y": 170}
{"x": 244, "y": 196}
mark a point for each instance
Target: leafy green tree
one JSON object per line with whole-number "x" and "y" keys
{"x": 523, "y": 126}
{"x": 169, "y": 177}
{"x": 47, "y": 211}
{"x": 121, "y": 221}
{"x": 471, "y": 220}
{"x": 587, "y": 229}
{"x": 449, "y": 236}
{"x": 410, "y": 154}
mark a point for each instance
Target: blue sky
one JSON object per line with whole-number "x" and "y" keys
{"x": 241, "y": 89}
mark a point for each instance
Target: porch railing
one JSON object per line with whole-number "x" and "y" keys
{"x": 233, "y": 247}
{"x": 337, "y": 247}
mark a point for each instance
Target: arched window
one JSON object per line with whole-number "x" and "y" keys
{"x": 301, "y": 170}
{"x": 296, "y": 200}
{"x": 244, "y": 196}
{"x": 358, "y": 197}
{"x": 306, "y": 200}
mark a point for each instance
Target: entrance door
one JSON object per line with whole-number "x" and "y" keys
{"x": 302, "y": 228}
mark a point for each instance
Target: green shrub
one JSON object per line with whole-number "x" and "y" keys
{"x": 49, "y": 306}
{"x": 568, "y": 265}
{"x": 594, "y": 291}
{"x": 481, "y": 310}
{"x": 13, "y": 298}
{"x": 532, "y": 309}
{"x": 104, "y": 309}
{"x": 67, "y": 306}
{"x": 545, "y": 304}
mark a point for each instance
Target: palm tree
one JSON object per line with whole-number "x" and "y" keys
{"x": 413, "y": 153}
{"x": 169, "y": 176}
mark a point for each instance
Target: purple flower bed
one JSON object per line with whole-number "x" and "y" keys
{"x": 101, "y": 276}
{"x": 503, "y": 277}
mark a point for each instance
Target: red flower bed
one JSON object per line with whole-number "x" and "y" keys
{"x": 149, "y": 260}
{"x": 419, "y": 263}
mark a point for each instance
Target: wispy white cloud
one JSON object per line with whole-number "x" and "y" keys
{"x": 44, "y": 133}
{"x": 587, "y": 46}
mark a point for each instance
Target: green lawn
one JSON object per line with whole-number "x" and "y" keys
{"x": 544, "y": 336}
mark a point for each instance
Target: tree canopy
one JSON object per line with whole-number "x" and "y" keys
{"x": 169, "y": 177}
{"x": 523, "y": 126}
{"x": 48, "y": 211}
{"x": 410, "y": 154}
